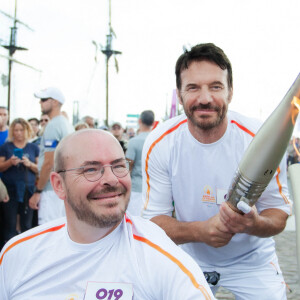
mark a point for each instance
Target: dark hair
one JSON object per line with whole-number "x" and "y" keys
{"x": 203, "y": 52}
{"x": 34, "y": 119}
{"x": 147, "y": 117}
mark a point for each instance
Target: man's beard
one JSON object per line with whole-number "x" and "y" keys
{"x": 204, "y": 123}
{"x": 46, "y": 111}
{"x": 87, "y": 213}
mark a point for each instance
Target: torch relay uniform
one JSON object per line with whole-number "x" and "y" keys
{"x": 135, "y": 261}
{"x": 193, "y": 178}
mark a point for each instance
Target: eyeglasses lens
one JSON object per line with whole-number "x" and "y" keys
{"x": 94, "y": 173}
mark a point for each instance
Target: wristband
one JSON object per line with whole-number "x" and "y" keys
{"x": 36, "y": 190}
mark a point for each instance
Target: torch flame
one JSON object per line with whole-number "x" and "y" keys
{"x": 296, "y": 103}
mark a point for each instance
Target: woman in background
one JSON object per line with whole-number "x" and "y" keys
{"x": 18, "y": 164}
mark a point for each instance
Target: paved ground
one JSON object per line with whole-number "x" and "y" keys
{"x": 286, "y": 251}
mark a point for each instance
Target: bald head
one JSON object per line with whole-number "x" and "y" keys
{"x": 83, "y": 143}
{"x": 93, "y": 181}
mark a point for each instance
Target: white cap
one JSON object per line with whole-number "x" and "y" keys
{"x": 51, "y": 92}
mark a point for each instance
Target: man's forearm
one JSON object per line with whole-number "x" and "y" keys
{"x": 46, "y": 170}
{"x": 44, "y": 176}
{"x": 270, "y": 222}
{"x": 177, "y": 231}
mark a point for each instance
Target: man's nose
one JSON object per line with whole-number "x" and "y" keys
{"x": 204, "y": 96}
{"x": 108, "y": 177}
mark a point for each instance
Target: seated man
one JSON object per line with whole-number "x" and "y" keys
{"x": 97, "y": 251}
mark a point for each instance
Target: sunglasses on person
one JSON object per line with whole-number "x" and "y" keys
{"x": 44, "y": 99}
{"x": 44, "y": 120}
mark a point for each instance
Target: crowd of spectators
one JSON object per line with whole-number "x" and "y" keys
{"x": 20, "y": 145}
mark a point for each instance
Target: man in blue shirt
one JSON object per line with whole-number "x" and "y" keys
{"x": 3, "y": 137}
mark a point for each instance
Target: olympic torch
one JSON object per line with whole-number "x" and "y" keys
{"x": 265, "y": 152}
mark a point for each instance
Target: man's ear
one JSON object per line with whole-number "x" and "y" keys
{"x": 58, "y": 185}
{"x": 179, "y": 97}
{"x": 230, "y": 95}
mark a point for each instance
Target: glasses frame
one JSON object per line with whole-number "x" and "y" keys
{"x": 100, "y": 171}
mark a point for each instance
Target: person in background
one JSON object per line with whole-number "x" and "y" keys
{"x": 188, "y": 164}
{"x": 44, "y": 121}
{"x": 98, "y": 251}
{"x": 44, "y": 199}
{"x": 130, "y": 132}
{"x": 35, "y": 125}
{"x": 3, "y": 194}
{"x": 89, "y": 120}
{"x": 118, "y": 132}
{"x": 81, "y": 125}
{"x": 18, "y": 164}
{"x": 3, "y": 137}
{"x": 104, "y": 127}
{"x": 3, "y": 124}
{"x": 134, "y": 156}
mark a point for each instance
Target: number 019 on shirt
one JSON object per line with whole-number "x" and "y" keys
{"x": 108, "y": 291}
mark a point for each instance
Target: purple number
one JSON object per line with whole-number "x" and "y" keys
{"x": 118, "y": 294}
{"x": 104, "y": 291}
{"x": 110, "y": 292}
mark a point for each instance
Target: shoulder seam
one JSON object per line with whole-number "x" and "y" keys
{"x": 177, "y": 262}
{"x": 242, "y": 127}
{"x": 149, "y": 152}
{"x": 52, "y": 229}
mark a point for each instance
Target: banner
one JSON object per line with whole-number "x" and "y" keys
{"x": 173, "y": 111}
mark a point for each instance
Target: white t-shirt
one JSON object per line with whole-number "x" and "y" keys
{"x": 180, "y": 171}
{"x": 136, "y": 258}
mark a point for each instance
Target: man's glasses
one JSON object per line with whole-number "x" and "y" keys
{"x": 95, "y": 172}
{"x": 45, "y": 99}
{"x": 44, "y": 120}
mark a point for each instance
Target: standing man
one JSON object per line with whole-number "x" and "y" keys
{"x": 97, "y": 251}
{"x": 44, "y": 120}
{"x": 188, "y": 164}
{"x": 44, "y": 199}
{"x": 118, "y": 132}
{"x": 134, "y": 156}
{"x": 35, "y": 125}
